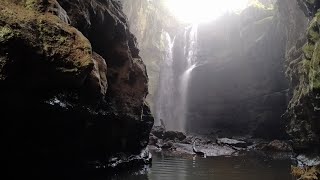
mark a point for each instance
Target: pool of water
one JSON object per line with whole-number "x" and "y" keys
{"x": 246, "y": 167}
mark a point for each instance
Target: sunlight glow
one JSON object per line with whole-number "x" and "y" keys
{"x": 198, "y": 11}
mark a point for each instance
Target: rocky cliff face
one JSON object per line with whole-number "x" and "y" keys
{"x": 150, "y": 21}
{"x": 72, "y": 83}
{"x": 302, "y": 60}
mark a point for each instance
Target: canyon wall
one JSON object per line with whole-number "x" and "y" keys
{"x": 150, "y": 22}
{"x": 302, "y": 62}
{"x": 72, "y": 84}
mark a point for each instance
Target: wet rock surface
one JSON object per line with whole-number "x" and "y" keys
{"x": 213, "y": 146}
{"x": 308, "y": 160}
{"x": 233, "y": 142}
{"x": 123, "y": 161}
{"x": 277, "y": 145}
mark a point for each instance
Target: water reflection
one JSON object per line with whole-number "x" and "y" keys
{"x": 215, "y": 168}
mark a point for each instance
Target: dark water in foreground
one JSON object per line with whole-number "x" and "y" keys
{"x": 214, "y": 168}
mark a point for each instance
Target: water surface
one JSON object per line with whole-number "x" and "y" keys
{"x": 214, "y": 168}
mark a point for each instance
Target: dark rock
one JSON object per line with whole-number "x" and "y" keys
{"x": 173, "y": 135}
{"x": 309, "y": 7}
{"x": 187, "y": 140}
{"x": 280, "y": 146}
{"x": 160, "y": 143}
{"x": 153, "y": 140}
{"x": 49, "y": 73}
{"x": 167, "y": 145}
{"x": 97, "y": 79}
{"x": 125, "y": 161}
{"x": 158, "y": 131}
{"x": 232, "y": 142}
{"x": 105, "y": 25}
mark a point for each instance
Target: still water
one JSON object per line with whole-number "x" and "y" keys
{"x": 213, "y": 168}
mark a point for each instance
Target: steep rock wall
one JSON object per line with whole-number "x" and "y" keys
{"x": 150, "y": 21}
{"x": 302, "y": 115}
{"x": 73, "y": 85}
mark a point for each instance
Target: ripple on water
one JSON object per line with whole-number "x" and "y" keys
{"x": 215, "y": 168}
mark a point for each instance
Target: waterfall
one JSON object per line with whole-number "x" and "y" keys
{"x": 190, "y": 51}
{"x": 165, "y": 105}
{"x": 171, "y": 104}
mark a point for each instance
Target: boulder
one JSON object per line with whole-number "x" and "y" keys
{"x": 173, "y": 135}
{"x": 96, "y": 82}
{"x": 308, "y": 160}
{"x": 51, "y": 53}
{"x": 167, "y": 145}
{"x": 158, "y": 131}
{"x": 278, "y": 145}
{"x": 153, "y": 140}
{"x": 232, "y": 142}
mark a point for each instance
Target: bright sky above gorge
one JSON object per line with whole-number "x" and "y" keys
{"x": 198, "y": 11}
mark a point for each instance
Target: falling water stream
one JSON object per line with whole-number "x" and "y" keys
{"x": 172, "y": 96}
{"x": 190, "y": 51}
{"x": 165, "y": 104}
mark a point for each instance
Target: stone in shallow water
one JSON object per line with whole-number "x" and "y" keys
{"x": 173, "y": 135}
{"x": 158, "y": 131}
{"x": 153, "y": 140}
{"x": 167, "y": 145}
{"x": 308, "y": 160}
{"x": 232, "y": 142}
{"x": 278, "y": 145}
{"x": 208, "y": 149}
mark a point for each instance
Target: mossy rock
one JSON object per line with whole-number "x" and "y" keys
{"x": 308, "y": 50}
{"x": 313, "y": 31}
{"x": 302, "y": 111}
{"x": 314, "y": 74}
{"x": 5, "y": 33}
{"x": 44, "y": 40}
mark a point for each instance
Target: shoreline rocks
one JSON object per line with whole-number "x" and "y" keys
{"x": 213, "y": 146}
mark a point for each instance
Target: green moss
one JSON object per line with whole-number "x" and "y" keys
{"x": 5, "y": 33}
{"x": 32, "y": 4}
{"x": 308, "y": 50}
{"x": 313, "y": 33}
{"x": 259, "y": 5}
{"x": 311, "y": 1}
{"x": 62, "y": 39}
{"x": 314, "y": 73}
{"x": 304, "y": 67}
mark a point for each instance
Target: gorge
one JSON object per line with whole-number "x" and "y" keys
{"x": 91, "y": 89}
